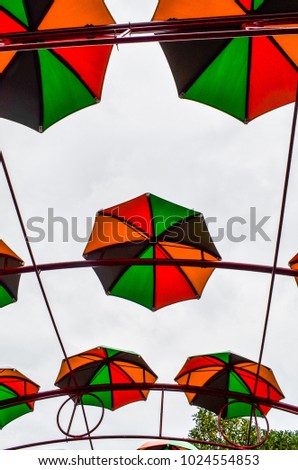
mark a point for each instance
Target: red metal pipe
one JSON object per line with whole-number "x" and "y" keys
{"x": 121, "y": 436}
{"x": 154, "y": 31}
{"x": 259, "y": 268}
{"x": 164, "y": 37}
{"x": 73, "y": 391}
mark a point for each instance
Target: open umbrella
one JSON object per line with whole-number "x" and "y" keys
{"x": 14, "y": 384}
{"x": 38, "y": 88}
{"x": 9, "y": 284}
{"x": 244, "y": 77}
{"x": 231, "y": 373}
{"x": 152, "y": 228}
{"x": 293, "y": 263}
{"x": 167, "y": 444}
{"x": 105, "y": 366}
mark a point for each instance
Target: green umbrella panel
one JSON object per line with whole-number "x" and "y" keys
{"x": 151, "y": 228}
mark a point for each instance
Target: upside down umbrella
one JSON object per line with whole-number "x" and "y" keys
{"x": 293, "y": 263}
{"x": 244, "y": 77}
{"x": 106, "y": 366}
{"x": 149, "y": 227}
{"x": 38, "y": 88}
{"x": 9, "y": 284}
{"x": 167, "y": 444}
{"x": 13, "y": 384}
{"x": 231, "y": 373}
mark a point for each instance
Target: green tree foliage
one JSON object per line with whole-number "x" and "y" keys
{"x": 237, "y": 430}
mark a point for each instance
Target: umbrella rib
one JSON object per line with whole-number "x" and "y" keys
{"x": 152, "y": 227}
{"x": 8, "y": 66}
{"x": 264, "y": 380}
{"x": 283, "y": 52}
{"x": 125, "y": 269}
{"x": 39, "y": 84}
{"x": 46, "y": 300}
{"x": 124, "y": 373}
{"x": 11, "y": 389}
{"x": 246, "y": 10}
{"x": 124, "y": 221}
{"x": 250, "y": 45}
{"x": 7, "y": 288}
{"x": 112, "y": 361}
{"x": 227, "y": 41}
{"x": 180, "y": 270}
{"x": 278, "y": 238}
{"x": 241, "y": 381}
{"x": 279, "y": 232}
{"x": 154, "y": 281}
{"x": 73, "y": 71}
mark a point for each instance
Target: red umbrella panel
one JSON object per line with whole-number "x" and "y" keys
{"x": 106, "y": 366}
{"x": 230, "y": 373}
{"x": 149, "y": 227}
{"x": 38, "y": 88}
{"x": 13, "y": 384}
{"x": 293, "y": 263}
{"x": 245, "y": 76}
{"x": 9, "y": 284}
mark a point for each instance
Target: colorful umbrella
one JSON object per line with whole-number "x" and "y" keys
{"x": 167, "y": 444}
{"x": 149, "y": 227}
{"x": 39, "y": 88}
{"x": 105, "y": 366}
{"x": 9, "y": 284}
{"x": 13, "y": 384}
{"x": 231, "y": 373}
{"x": 293, "y": 263}
{"x": 244, "y": 77}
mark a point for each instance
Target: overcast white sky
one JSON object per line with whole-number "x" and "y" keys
{"x": 142, "y": 138}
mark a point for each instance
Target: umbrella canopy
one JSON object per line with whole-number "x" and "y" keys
{"x": 9, "y": 284}
{"x": 105, "y": 366}
{"x": 244, "y": 77}
{"x": 293, "y": 263}
{"x": 167, "y": 444}
{"x": 149, "y": 227}
{"x": 39, "y": 88}
{"x": 14, "y": 384}
{"x": 231, "y": 373}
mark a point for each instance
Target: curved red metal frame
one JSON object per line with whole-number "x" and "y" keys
{"x": 74, "y": 392}
{"x": 258, "y": 268}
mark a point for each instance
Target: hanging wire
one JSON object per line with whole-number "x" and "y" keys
{"x": 278, "y": 240}
{"x": 40, "y": 283}
{"x": 280, "y": 226}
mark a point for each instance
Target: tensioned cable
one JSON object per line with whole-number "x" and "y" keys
{"x": 278, "y": 237}
{"x": 280, "y": 226}
{"x": 40, "y": 283}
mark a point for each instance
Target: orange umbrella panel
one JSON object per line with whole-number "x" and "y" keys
{"x": 293, "y": 263}
{"x": 9, "y": 284}
{"x": 14, "y": 384}
{"x": 38, "y": 88}
{"x": 231, "y": 373}
{"x": 151, "y": 228}
{"x": 106, "y": 366}
{"x": 245, "y": 76}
